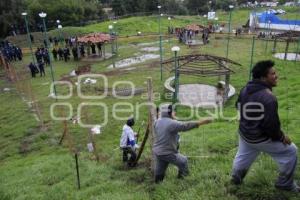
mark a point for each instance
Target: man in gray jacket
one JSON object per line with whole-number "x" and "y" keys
{"x": 166, "y": 142}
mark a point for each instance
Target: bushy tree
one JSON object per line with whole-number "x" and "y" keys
{"x": 10, "y": 15}
{"x": 118, "y": 7}
{"x": 224, "y": 4}
{"x": 70, "y": 12}
{"x": 197, "y": 6}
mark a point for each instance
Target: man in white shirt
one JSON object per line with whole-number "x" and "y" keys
{"x": 128, "y": 144}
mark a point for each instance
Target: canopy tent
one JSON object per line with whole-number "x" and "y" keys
{"x": 268, "y": 20}
{"x": 195, "y": 27}
{"x": 95, "y": 38}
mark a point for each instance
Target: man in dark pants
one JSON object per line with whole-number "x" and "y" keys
{"x": 54, "y": 52}
{"x": 166, "y": 142}
{"x": 41, "y": 68}
{"x": 128, "y": 144}
{"x": 33, "y": 69}
{"x": 260, "y": 129}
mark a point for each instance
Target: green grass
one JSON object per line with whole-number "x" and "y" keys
{"x": 33, "y": 166}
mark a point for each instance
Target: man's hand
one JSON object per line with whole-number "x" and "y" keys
{"x": 286, "y": 140}
{"x": 205, "y": 121}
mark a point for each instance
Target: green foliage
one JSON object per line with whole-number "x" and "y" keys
{"x": 224, "y": 4}
{"x": 197, "y": 7}
{"x": 10, "y": 14}
{"x": 33, "y": 166}
{"x": 68, "y": 11}
{"x": 118, "y": 7}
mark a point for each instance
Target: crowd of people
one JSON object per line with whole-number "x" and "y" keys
{"x": 76, "y": 49}
{"x": 59, "y": 53}
{"x": 10, "y": 51}
{"x": 61, "y": 49}
{"x": 186, "y": 36}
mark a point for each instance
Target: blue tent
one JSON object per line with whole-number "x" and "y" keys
{"x": 268, "y": 17}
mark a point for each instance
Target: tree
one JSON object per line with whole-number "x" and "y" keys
{"x": 150, "y": 6}
{"x": 10, "y": 16}
{"x": 224, "y": 4}
{"x": 174, "y": 7}
{"x": 118, "y": 7}
{"x": 197, "y": 6}
{"x": 132, "y": 6}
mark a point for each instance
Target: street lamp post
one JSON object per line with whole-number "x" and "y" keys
{"x": 110, "y": 27}
{"x": 205, "y": 20}
{"x": 28, "y": 36}
{"x": 59, "y": 26}
{"x": 169, "y": 29}
{"x": 176, "y": 49}
{"x": 268, "y": 37}
{"x": 116, "y": 36}
{"x": 160, "y": 42}
{"x": 229, "y": 28}
{"x": 251, "y": 60}
{"x": 60, "y": 34}
{"x": 43, "y": 16}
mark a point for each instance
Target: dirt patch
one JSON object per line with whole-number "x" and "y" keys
{"x": 114, "y": 73}
{"x": 289, "y": 56}
{"x": 96, "y": 58}
{"x": 134, "y": 60}
{"x": 30, "y": 136}
{"x": 67, "y": 79}
{"x": 150, "y": 49}
{"x": 83, "y": 69}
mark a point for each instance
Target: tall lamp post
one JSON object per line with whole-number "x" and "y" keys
{"x": 43, "y": 16}
{"x": 160, "y": 41}
{"x": 216, "y": 23}
{"x": 176, "y": 49}
{"x": 169, "y": 29}
{"x": 60, "y": 34}
{"x": 28, "y": 36}
{"x": 229, "y": 28}
{"x": 59, "y": 26}
{"x": 269, "y": 33}
{"x": 116, "y": 36}
{"x": 110, "y": 27}
{"x": 205, "y": 20}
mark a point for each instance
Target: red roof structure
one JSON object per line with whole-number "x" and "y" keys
{"x": 95, "y": 38}
{"x": 195, "y": 27}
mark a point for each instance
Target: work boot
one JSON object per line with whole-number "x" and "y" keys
{"x": 159, "y": 178}
{"x": 238, "y": 176}
{"x": 236, "y": 180}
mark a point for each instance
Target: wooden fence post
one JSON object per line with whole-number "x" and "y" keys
{"x": 152, "y": 117}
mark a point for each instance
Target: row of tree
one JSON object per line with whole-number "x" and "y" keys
{"x": 178, "y": 7}
{"x": 76, "y": 12}
{"x": 70, "y": 12}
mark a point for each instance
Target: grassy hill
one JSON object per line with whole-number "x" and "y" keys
{"x": 33, "y": 165}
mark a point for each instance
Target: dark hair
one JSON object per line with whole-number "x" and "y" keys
{"x": 130, "y": 122}
{"x": 170, "y": 109}
{"x": 261, "y": 69}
